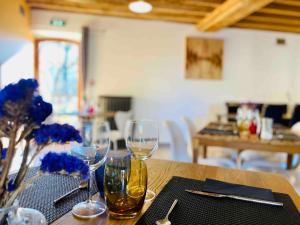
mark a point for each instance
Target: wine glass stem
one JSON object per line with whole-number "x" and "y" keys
{"x": 89, "y": 187}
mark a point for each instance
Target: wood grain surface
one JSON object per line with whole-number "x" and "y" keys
{"x": 160, "y": 172}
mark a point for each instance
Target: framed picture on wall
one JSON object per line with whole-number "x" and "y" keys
{"x": 204, "y": 58}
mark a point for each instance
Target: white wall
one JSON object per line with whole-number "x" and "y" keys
{"x": 20, "y": 65}
{"x": 146, "y": 60}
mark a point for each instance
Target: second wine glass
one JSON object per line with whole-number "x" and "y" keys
{"x": 94, "y": 153}
{"x": 141, "y": 138}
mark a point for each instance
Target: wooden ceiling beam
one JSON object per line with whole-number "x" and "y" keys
{"x": 119, "y": 11}
{"x": 209, "y": 15}
{"x": 273, "y": 27}
{"x": 294, "y": 21}
{"x": 288, "y": 2}
{"x": 280, "y": 12}
{"x": 191, "y": 7}
{"x": 230, "y": 12}
{"x": 192, "y": 3}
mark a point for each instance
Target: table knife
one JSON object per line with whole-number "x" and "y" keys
{"x": 216, "y": 195}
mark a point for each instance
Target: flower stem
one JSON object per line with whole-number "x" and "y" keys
{"x": 23, "y": 168}
{"x": 1, "y": 149}
{"x": 9, "y": 157}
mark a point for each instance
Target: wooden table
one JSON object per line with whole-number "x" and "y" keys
{"x": 243, "y": 143}
{"x": 160, "y": 171}
{"x": 90, "y": 117}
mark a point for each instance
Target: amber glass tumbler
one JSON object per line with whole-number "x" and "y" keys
{"x": 125, "y": 185}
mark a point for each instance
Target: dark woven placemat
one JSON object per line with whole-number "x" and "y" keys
{"x": 212, "y": 131}
{"x": 195, "y": 209}
{"x": 47, "y": 188}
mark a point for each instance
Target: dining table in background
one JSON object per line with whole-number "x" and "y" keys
{"x": 161, "y": 171}
{"x": 231, "y": 139}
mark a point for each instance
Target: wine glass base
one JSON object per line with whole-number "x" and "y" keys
{"x": 150, "y": 195}
{"x": 88, "y": 209}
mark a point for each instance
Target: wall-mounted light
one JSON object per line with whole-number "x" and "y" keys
{"x": 140, "y": 6}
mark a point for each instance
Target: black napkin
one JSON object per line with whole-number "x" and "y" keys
{"x": 220, "y": 187}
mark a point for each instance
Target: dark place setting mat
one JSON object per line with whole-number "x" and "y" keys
{"x": 212, "y": 131}
{"x": 194, "y": 209}
{"x": 47, "y": 188}
{"x": 286, "y": 137}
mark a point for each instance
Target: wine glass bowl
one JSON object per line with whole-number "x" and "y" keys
{"x": 141, "y": 138}
{"x": 94, "y": 156}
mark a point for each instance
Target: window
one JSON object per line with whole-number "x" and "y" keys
{"x": 57, "y": 69}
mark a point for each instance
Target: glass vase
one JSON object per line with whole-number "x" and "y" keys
{"x": 4, "y": 214}
{"x": 16, "y": 215}
{"x": 125, "y": 185}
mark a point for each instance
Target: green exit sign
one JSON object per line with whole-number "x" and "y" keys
{"x": 57, "y": 22}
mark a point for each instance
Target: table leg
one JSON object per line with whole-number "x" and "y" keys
{"x": 195, "y": 155}
{"x": 204, "y": 151}
{"x": 289, "y": 161}
{"x": 195, "y": 150}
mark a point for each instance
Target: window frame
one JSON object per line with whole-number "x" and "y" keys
{"x": 80, "y": 77}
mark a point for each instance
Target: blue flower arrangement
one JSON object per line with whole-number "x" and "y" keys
{"x": 55, "y": 163}
{"x": 22, "y": 115}
{"x": 56, "y": 133}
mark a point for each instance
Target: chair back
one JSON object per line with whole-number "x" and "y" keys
{"x": 190, "y": 124}
{"x": 121, "y": 118}
{"x": 232, "y": 108}
{"x": 178, "y": 144}
{"x": 296, "y": 115}
{"x": 275, "y": 112}
{"x": 190, "y": 130}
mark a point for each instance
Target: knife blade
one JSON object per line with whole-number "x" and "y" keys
{"x": 216, "y": 195}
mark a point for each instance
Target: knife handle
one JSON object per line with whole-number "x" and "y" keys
{"x": 65, "y": 195}
{"x": 255, "y": 200}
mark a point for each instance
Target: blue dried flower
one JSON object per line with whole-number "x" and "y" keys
{"x": 39, "y": 110}
{"x": 63, "y": 162}
{"x": 3, "y": 153}
{"x": 11, "y": 185}
{"x": 20, "y": 91}
{"x": 56, "y": 133}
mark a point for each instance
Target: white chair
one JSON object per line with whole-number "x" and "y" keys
{"x": 121, "y": 118}
{"x": 179, "y": 148}
{"x": 191, "y": 130}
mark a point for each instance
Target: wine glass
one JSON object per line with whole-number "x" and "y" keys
{"x": 141, "y": 138}
{"x": 94, "y": 153}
